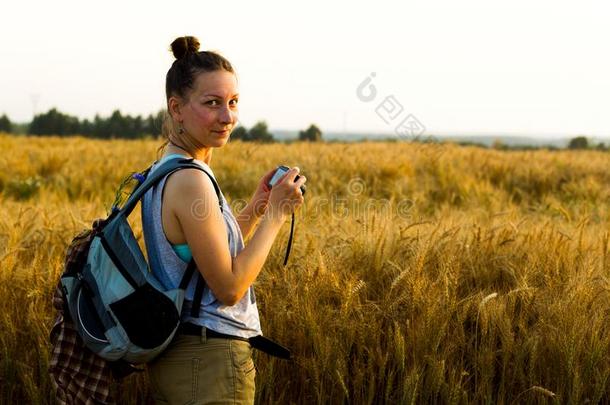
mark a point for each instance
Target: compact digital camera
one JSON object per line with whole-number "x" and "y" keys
{"x": 281, "y": 171}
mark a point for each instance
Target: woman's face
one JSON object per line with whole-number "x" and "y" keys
{"x": 210, "y": 113}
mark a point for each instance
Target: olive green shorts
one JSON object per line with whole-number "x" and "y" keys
{"x": 196, "y": 370}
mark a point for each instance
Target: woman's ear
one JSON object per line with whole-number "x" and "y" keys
{"x": 174, "y": 108}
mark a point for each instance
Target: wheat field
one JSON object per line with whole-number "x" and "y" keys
{"x": 420, "y": 273}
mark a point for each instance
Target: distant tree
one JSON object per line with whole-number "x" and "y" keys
{"x": 260, "y": 133}
{"x": 498, "y": 144}
{"x": 99, "y": 127}
{"x": 153, "y": 124}
{"x": 86, "y": 127}
{"x": 580, "y": 142}
{"x": 5, "y": 124}
{"x": 601, "y": 146}
{"x": 54, "y": 122}
{"x": 117, "y": 125}
{"x": 240, "y": 133}
{"x": 312, "y": 134}
{"x": 136, "y": 126}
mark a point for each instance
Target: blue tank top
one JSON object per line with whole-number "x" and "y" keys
{"x": 168, "y": 264}
{"x": 183, "y": 251}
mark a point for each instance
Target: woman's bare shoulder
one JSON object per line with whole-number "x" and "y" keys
{"x": 187, "y": 186}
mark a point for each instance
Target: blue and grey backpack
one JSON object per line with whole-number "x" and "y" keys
{"x": 118, "y": 307}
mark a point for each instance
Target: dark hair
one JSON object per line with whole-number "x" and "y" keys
{"x": 188, "y": 64}
{"x": 181, "y": 76}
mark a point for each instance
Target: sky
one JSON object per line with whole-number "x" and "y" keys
{"x": 537, "y": 68}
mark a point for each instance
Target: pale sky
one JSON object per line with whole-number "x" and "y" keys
{"x": 518, "y": 67}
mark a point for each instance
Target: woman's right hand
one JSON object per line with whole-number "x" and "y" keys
{"x": 286, "y": 195}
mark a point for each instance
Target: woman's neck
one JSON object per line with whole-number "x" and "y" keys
{"x": 204, "y": 155}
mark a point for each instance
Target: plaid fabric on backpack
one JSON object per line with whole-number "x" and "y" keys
{"x": 78, "y": 375}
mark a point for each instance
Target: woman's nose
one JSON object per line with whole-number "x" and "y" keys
{"x": 226, "y": 116}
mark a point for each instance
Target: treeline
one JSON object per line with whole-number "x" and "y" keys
{"x": 260, "y": 132}
{"x": 576, "y": 143}
{"x": 119, "y": 125}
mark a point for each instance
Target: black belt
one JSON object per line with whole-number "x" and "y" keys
{"x": 258, "y": 342}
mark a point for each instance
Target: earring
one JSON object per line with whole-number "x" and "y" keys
{"x": 180, "y": 128}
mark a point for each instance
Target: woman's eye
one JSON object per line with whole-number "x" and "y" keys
{"x": 215, "y": 102}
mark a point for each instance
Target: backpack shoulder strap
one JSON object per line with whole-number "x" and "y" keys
{"x": 166, "y": 168}
{"x": 188, "y": 274}
{"x": 196, "y": 306}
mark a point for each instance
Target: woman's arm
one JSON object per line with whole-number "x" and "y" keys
{"x": 248, "y": 218}
{"x": 205, "y": 231}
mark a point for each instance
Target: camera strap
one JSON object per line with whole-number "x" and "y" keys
{"x": 289, "y": 240}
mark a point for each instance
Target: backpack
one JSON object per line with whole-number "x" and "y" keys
{"x": 118, "y": 307}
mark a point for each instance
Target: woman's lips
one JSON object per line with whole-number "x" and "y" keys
{"x": 226, "y": 132}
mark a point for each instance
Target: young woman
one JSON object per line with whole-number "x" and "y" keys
{"x": 209, "y": 360}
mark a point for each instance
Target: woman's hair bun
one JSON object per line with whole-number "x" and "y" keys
{"x": 183, "y": 45}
